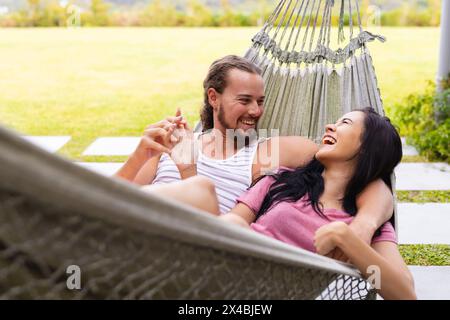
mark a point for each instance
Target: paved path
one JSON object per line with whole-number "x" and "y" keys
{"x": 432, "y": 283}
{"x": 423, "y": 176}
{"x": 112, "y": 146}
{"x": 51, "y": 144}
{"x": 427, "y": 223}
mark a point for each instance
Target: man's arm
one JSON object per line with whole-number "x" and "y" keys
{"x": 131, "y": 168}
{"x": 147, "y": 173}
{"x": 375, "y": 207}
{"x": 296, "y": 151}
{"x": 291, "y": 152}
{"x": 157, "y": 139}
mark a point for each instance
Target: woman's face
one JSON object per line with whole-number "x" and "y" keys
{"x": 342, "y": 140}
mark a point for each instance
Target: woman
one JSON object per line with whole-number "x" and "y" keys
{"x": 311, "y": 207}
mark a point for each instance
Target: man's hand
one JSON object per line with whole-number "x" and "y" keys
{"x": 363, "y": 230}
{"x": 161, "y": 137}
{"x": 157, "y": 138}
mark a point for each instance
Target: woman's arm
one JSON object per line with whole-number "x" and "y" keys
{"x": 240, "y": 215}
{"x": 396, "y": 279}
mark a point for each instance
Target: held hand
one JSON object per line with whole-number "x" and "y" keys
{"x": 158, "y": 137}
{"x": 327, "y": 238}
{"x": 185, "y": 152}
{"x": 363, "y": 231}
{"x": 182, "y": 123}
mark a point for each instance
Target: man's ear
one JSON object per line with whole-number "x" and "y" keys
{"x": 213, "y": 98}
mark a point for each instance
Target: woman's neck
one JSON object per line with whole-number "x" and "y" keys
{"x": 336, "y": 179}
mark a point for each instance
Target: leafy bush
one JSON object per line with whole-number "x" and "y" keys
{"x": 417, "y": 121}
{"x": 44, "y": 13}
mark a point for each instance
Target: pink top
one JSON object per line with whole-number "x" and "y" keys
{"x": 297, "y": 222}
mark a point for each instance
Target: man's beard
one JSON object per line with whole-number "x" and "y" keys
{"x": 241, "y": 137}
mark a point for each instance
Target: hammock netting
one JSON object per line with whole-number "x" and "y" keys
{"x": 132, "y": 245}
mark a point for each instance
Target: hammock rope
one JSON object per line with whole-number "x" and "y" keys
{"x": 307, "y": 89}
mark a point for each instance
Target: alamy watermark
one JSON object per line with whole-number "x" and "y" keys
{"x": 73, "y": 16}
{"x": 73, "y": 281}
{"x": 374, "y": 276}
{"x": 186, "y": 151}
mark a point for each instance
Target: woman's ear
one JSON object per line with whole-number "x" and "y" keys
{"x": 213, "y": 98}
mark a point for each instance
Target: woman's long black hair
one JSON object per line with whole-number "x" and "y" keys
{"x": 379, "y": 154}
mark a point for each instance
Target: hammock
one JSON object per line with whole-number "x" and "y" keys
{"x": 131, "y": 245}
{"x": 308, "y": 87}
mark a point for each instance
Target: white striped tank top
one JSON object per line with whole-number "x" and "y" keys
{"x": 231, "y": 176}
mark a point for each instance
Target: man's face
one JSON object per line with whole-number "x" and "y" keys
{"x": 241, "y": 104}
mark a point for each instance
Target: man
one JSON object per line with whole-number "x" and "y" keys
{"x": 234, "y": 100}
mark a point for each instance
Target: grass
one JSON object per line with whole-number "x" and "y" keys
{"x": 424, "y": 196}
{"x": 409, "y": 159}
{"x": 90, "y": 83}
{"x": 426, "y": 255}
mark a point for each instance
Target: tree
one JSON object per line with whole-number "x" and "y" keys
{"x": 198, "y": 14}
{"x": 99, "y": 11}
{"x": 227, "y": 17}
{"x": 33, "y": 16}
{"x": 159, "y": 15}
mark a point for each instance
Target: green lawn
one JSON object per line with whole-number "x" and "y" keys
{"x": 89, "y": 83}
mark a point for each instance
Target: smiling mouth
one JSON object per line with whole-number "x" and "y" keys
{"x": 250, "y": 123}
{"x": 329, "y": 140}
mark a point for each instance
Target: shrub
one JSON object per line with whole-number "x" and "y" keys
{"x": 416, "y": 119}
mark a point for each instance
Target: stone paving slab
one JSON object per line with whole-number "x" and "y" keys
{"x": 432, "y": 283}
{"x": 122, "y": 146}
{"x": 423, "y": 176}
{"x": 106, "y": 169}
{"x": 51, "y": 144}
{"x": 427, "y": 223}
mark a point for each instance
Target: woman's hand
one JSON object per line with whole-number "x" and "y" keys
{"x": 328, "y": 238}
{"x": 185, "y": 151}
